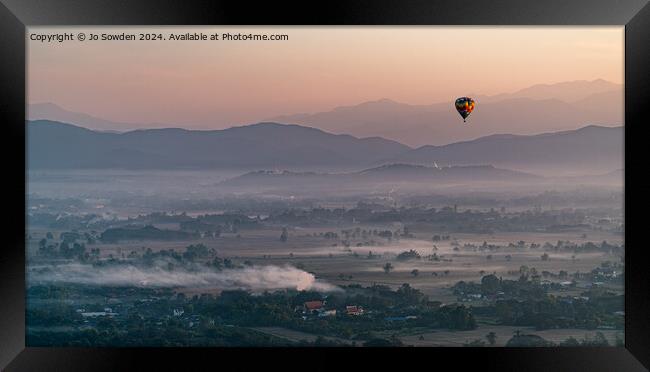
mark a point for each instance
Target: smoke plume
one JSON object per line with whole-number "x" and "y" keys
{"x": 255, "y": 278}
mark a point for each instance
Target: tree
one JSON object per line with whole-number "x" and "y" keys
{"x": 490, "y": 284}
{"x": 191, "y": 252}
{"x": 545, "y": 257}
{"x": 388, "y": 267}
{"x": 408, "y": 255}
{"x": 285, "y": 235}
{"x": 570, "y": 342}
{"x": 415, "y": 272}
{"x": 492, "y": 338}
{"x": 520, "y": 340}
{"x": 598, "y": 340}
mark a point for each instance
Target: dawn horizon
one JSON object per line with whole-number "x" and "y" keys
{"x": 225, "y": 84}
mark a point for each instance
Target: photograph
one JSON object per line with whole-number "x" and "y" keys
{"x": 314, "y": 186}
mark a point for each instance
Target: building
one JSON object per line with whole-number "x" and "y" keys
{"x": 354, "y": 310}
{"x": 313, "y": 307}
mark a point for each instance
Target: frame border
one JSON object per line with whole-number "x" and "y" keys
{"x": 16, "y": 15}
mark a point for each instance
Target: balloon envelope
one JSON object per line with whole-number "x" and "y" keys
{"x": 464, "y": 106}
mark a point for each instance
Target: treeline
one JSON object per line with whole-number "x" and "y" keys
{"x": 148, "y": 232}
{"x": 446, "y": 218}
{"x": 525, "y": 302}
{"x": 157, "y": 318}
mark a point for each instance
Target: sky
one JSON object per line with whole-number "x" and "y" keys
{"x": 218, "y": 84}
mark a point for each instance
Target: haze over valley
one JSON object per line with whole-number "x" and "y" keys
{"x": 322, "y": 189}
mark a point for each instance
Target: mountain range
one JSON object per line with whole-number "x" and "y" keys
{"x": 56, "y": 145}
{"x": 394, "y": 174}
{"x": 540, "y": 108}
{"x": 588, "y": 150}
{"x": 50, "y": 111}
{"x": 61, "y": 145}
{"x": 532, "y": 110}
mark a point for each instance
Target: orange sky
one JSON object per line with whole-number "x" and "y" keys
{"x": 217, "y": 84}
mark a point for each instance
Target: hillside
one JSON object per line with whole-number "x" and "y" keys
{"x": 386, "y": 174}
{"x": 540, "y": 108}
{"x": 591, "y": 149}
{"x": 60, "y": 145}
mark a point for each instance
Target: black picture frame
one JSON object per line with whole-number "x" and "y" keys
{"x": 16, "y": 15}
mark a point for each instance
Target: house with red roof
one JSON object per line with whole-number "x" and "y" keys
{"x": 354, "y": 310}
{"x": 313, "y": 307}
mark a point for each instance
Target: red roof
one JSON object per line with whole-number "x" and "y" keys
{"x": 353, "y": 309}
{"x": 313, "y": 305}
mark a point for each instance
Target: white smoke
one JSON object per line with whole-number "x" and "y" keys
{"x": 255, "y": 278}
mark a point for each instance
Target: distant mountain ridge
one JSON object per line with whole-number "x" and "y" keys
{"x": 535, "y": 109}
{"x": 567, "y": 91}
{"x": 591, "y": 149}
{"x": 61, "y": 145}
{"x": 542, "y": 107}
{"x": 50, "y": 111}
{"x": 54, "y": 145}
{"x": 389, "y": 173}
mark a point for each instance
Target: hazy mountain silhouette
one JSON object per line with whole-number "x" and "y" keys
{"x": 51, "y": 111}
{"x": 591, "y": 149}
{"x": 615, "y": 177}
{"x": 390, "y": 173}
{"x": 60, "y": 145}
{"x": 540, "y": 108}
{"x": 568, "y": 91}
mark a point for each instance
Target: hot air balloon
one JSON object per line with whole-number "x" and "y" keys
{"x": 464, "y": 106}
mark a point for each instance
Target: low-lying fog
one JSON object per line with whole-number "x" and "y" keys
{"x": 124, "y": 193}
{"x": 255, "y": 279}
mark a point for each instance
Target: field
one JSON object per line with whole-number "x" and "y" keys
{"x": 321, "y": 251}
{"x": 312, "y": 253}
{"x": 338, "y": 265}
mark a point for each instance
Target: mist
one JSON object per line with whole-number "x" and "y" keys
{"x": 254, "y": 279}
